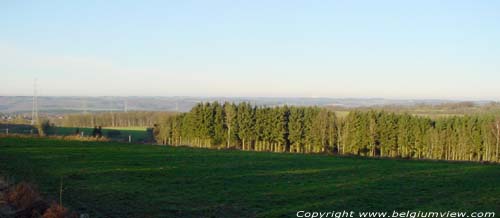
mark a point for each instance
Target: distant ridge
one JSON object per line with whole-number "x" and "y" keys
{"x": 55, "y": 104}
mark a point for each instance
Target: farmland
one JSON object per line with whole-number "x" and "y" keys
{"x": 137, "y": 134}
{"x": 131, "y": 180}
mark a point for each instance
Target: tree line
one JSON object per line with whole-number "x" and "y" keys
{"x": 319, "y": 130}
{"x": 113, "y": 119}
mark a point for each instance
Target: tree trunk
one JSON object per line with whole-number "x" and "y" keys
{"x": 498, "y": 137}
{"x": 228, "y": 136}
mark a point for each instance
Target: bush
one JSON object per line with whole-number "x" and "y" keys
{"x": 44, "y": 128}
{"x": 22, "y": 195}
{"x": 58, "y": 211}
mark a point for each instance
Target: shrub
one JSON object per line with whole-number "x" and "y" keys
{"x": 22, "y": 195}
{"x": 58, "y": 211}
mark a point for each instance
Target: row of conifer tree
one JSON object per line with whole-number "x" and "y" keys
{"x": 319, "y": 130}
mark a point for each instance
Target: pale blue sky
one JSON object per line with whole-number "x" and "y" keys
{"x": 391, "y": 49}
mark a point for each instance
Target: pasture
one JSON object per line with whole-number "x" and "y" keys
{"x": 138, "y": 134}
{"x": 132, "y": 180}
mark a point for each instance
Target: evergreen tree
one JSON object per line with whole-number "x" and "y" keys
{"x": 313, "y": 129}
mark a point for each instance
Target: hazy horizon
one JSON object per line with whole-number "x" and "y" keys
{"x": 337, "y": 49}
{"x": 256, "y": 97}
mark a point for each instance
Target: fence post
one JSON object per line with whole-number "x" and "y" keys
{"x": 81, "y": 133}
{"x": 7, "y": 131}
{"x": 129, "y": 138}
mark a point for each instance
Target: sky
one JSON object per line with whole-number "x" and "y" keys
{"x": 420, "y": 49}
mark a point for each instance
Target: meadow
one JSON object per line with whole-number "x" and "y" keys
{"x": 111, "y": 179}
{"x": 138, "y": 134}
{"x": 121, "y": 134}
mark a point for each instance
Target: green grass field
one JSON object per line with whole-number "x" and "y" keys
{"x": 131, "y": 180}
{"x": 138, "y": 134}
{"x": 17, "y": 129}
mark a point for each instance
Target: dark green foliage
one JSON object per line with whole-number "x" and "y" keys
{"x": 296, "y": 127}
{"x": 219, "y": 125}
{"x": 318, "y": 130}
{"x": 231, "y": 124}
{"x": 44, "y": 128}
{"x": 246, "y": 124}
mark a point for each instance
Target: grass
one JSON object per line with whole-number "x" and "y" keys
{"x": 130, "y": 180}
{"x": 138, "y": 134}
{"x": 17, "y": 128}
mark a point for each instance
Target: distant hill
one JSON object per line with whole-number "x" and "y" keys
{"x": 55, "y": 104}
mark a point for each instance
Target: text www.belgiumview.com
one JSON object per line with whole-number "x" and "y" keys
{"x": 399, "y": 214}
